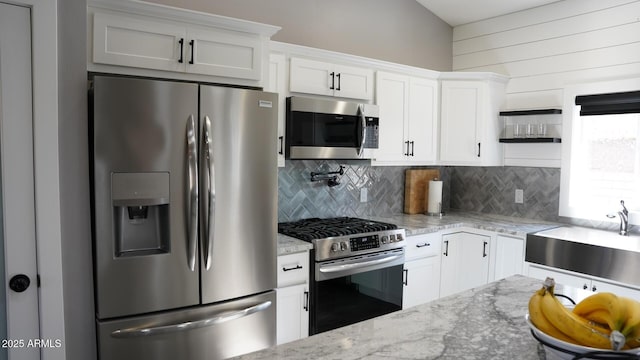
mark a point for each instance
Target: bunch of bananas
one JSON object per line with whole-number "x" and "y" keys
{"x": 602, "y": 320}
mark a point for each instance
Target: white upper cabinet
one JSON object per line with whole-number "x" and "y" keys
{"x": 469, "y": 122}
{"x": 408, "y": 119}
{"x": 149, "y": 37}
{"x": 325, "y": 78}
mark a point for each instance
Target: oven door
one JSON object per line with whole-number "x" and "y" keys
{"x": 354, "y": 289}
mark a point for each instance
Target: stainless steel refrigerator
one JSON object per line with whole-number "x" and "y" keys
{"x": 184, "y": 181}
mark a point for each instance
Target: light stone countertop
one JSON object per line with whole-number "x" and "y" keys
{"x": 423, "y": 224}
{"x": 290, "y": 245}
{"x": 483, "y": 323}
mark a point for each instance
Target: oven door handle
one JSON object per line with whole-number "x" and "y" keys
{"x": 358, "y": 265}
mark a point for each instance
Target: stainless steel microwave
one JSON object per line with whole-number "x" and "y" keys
{"x": 330, "y": 129}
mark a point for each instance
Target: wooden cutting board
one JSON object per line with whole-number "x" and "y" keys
{"x": 416, "y": 189}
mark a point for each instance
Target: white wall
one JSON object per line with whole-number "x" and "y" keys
{"x": 546, "y": 48}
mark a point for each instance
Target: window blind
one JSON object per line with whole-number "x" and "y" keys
{"x": 611, "y": 103}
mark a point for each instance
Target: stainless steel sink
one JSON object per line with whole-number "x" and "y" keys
{"x": 589, "y": 251}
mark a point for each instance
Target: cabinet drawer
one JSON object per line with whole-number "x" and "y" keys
{"x": 293, "y": 269}
{"x": 421, "y": 246}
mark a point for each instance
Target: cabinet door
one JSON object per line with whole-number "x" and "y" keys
{"x": 311, "y": 77}
{"x": 423, "y": 116}
{"x": 277, "y": 83}
{"x": 509, "y": 256}
{"x": 465, "y": 262}
{"x": 460, "y": 122}
{"x": 421, "y": 281}
{"x": 392, "y": 95}
{"x": 137, "y": 42}
{"x": 223, "y": 53}
{"x": 575, "y": 281}
{"x": 353, "y": 82}
{"x": 600, "y": 286}
{"x": 292, "y": 313}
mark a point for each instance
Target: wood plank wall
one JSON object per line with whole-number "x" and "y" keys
{"x": 546, "y": 48}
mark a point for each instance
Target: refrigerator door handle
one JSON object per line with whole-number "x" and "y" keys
{"x": 219, "y": 318}
{"x": 192, "y": 198}
{"x": 210, "y": 198}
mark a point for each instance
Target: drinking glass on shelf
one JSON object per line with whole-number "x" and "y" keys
{"x": 532, "y": 130}
{"x": 542, "y": 130}
{"x": 518, "y": 130}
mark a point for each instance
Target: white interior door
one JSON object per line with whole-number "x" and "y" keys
{"x": 20, "y": 302}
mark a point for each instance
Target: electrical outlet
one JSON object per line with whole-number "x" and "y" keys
{"x": 519, "y": 196}
{"x": 363, "y": 195}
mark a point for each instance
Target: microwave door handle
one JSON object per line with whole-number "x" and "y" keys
{"x": 192, "y": 196}
{"x": 191, "y": 324}
{"x": 209, "y": 201}
{"x": 364, "y": 129}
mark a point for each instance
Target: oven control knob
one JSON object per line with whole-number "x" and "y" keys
{"x": 343, "y": 246}
{"x": 399, "y": 236}
{"x": 335, "y": 247}
{"x": 385, "y": 239}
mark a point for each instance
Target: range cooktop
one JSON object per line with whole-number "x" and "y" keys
{"x": 316, "y": 228}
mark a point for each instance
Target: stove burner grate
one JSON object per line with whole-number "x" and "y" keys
{"x": 316, "y": 228}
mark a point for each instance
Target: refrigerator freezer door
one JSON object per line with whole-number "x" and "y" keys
{"x": 204, "y": 333}
{"x": 140, "y": 180}
{"x": 239, "y": 224}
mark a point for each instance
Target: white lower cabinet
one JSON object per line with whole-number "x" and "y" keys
{"x": 421, "y": 278}
{"x": 292, "y": 313}
{"x": 581, "y": 281}
{"x": 292, "y": 296}
{"x": 509, "y": 256}
{"x": 465, "y": 261}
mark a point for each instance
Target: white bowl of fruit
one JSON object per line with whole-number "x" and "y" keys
{"x": 602, "y": 326}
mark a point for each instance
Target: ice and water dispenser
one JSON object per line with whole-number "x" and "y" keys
{"x": 140, "y": 213}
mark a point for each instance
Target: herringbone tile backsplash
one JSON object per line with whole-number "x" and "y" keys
{"x": 492, "y": 190}
{"x": 479, "y": 189}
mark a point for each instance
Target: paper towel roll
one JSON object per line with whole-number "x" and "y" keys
{"x": 434, "y": 205}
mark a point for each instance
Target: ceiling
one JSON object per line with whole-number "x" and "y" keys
{"x": 458, "y": 12}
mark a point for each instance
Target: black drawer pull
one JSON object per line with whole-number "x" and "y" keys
{"x": 422, "y": 245}
{"x": 293, "y": 268}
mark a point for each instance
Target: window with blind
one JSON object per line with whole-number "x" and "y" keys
{"x": 604, "y": 164}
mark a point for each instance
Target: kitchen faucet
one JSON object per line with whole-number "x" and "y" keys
{"x": 624, "y": 219}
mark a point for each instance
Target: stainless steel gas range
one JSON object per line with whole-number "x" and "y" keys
{"x": 357, "y": 269}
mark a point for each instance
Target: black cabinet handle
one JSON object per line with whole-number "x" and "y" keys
{"x": 281, "y": 139}
{"x": 181, "y": 42}
{"x": 19, "y": 283}
{"x": 306, "y": 301}
{"x": 412, "y": 146}
{"x": 478, "y": 149}
{"x": 407, "y": 152}
{"x": 333, "y": 81}
{"x": 585, "y": 287}
{"x": 446, "y": 248}
{"x": 192, "y": 43}
{"x": 484, "y": 249}
{"x": 293, "y": 268}
{"x": 338, "y": 87}
{"x": 594, "y": 289}
{"x": 405, "y": 273}
{"x": 422, "y": 245}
